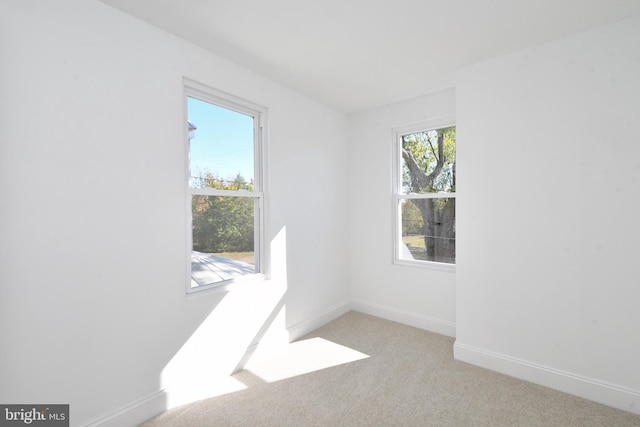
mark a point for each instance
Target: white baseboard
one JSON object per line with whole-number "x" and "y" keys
{"x": 438, "y": 326}
{"x": 303, "y": 328}
{"x": 597, "y": 391}
{"x": 135, "y": 413}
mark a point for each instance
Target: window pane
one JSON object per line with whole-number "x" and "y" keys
{"x": 428, "y": 230}
{"x": 429, "y": 161}
{"x": 223, "y": 238}
{"x": 221, "y": 144}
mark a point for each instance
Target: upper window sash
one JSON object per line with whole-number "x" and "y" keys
{"x": 397, "y": 137}
{"x": 427, "y": 161}
{"x": 225, "y": 100}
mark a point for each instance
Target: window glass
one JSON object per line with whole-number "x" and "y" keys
{"x": 429, "y": 159}
{"x": 222, "y": 147}
{"x": 433, "y": 240}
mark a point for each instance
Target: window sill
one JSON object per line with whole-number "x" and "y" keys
{"x": 428, "y": 265}
{"x": 227, "y": 286}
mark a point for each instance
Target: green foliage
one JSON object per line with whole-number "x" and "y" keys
{"x": 412, "y": 222}
{"x": 222, "y": 223}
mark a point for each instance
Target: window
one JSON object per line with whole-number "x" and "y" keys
{"x": 225, "y": 203}
{"x": 424, "y": 194}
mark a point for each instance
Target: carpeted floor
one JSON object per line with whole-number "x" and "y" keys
{"x": 394, "y": 375}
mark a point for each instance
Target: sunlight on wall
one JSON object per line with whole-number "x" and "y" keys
{"x": 302, "y": 357}
{"x": 278, "y": 252}
{"x": 247, "y": 318}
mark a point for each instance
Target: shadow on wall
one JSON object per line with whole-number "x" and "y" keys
{"x": 251, "y": 314}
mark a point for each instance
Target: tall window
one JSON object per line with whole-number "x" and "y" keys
{"x": 424, "y": 196}
{"x": 225, "y": 188}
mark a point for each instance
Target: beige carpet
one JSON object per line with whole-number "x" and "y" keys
{"x": 391, "y": 375}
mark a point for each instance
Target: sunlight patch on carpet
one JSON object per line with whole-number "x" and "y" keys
{"x": 302, "y": 357}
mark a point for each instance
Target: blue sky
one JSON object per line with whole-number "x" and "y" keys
{"x": 223, "y": 142}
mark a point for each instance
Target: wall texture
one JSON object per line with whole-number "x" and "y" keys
{"x": 412, "y": 295}
{"x": 548, "y": 152}
{"x": 93, "y": 308}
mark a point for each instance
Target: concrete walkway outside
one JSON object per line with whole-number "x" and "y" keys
{"x": 207, "y": 269}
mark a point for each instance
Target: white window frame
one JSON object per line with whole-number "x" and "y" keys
{"x": 398, "y": 195}
{"x": 193, "y": 89}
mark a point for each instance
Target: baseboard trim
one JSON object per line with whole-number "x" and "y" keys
{"x": 135, "y": 413}
{"x": 597, "y": 391}
{"x": 307, "y": 326}
{"x": 432, "y": 324}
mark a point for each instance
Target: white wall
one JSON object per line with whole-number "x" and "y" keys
{"x": 412, "y": 295}
{"x": 92, "y": 308}
{"x": 547, "y": 276}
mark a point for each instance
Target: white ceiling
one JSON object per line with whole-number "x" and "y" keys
{"x": 360, "y": 54}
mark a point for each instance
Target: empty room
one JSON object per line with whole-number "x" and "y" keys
{"x": 312, "y": 213}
